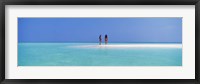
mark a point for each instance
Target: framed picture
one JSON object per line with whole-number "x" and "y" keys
{"x": 86, "y": 41}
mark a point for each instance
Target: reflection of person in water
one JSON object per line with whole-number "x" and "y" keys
{"x": 100, "y": 40}
{"x": 106, "y": 39}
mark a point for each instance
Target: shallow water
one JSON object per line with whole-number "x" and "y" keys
{"x": 72, "y": 54}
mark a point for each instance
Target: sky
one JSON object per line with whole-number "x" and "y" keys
{"x": 131, "y": 30}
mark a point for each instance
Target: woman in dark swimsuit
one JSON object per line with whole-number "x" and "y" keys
{"x": 100, "y": 40}
{"x": 106, "y": 39}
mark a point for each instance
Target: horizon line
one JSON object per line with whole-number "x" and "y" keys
{"x": 98, "y": 42}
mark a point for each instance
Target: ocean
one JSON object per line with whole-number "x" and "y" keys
{"x": 92, "y": 54}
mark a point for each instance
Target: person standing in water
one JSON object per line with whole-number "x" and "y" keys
{"x": 99, "y": 39}
{"x": 106, "y": 39}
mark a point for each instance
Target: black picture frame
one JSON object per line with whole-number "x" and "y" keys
{"x": 99, "y": 2}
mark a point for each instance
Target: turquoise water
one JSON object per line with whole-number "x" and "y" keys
{"x": 72, "y": 54}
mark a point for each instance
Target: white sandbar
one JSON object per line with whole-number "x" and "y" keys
{"x": 133, "y": 46}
